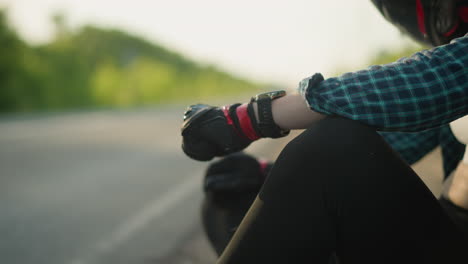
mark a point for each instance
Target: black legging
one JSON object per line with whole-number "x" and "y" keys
{"x": 339, "y": 188}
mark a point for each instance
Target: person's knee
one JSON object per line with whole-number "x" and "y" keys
{"x": 320, "y": 155}
{"x": 330, "y": 140}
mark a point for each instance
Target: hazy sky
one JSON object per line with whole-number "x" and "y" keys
{"x": 282, "y": 41}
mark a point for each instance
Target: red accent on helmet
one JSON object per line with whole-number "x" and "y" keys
{"x": 421, "y": 17}
{"x": 463, "y": 13}
{"x": 452, "y": 30}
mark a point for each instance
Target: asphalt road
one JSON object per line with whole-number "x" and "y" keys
{"x": 96, "y": 187}
{"x": 104, "y": 187}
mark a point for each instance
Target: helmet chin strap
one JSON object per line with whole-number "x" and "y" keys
{"x": 460, "y": 130}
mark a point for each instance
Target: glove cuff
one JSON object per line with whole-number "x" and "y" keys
{"x": 237, "y": 115}
{"x": 265, "y": 125}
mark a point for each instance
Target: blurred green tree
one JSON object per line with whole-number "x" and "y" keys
{"x": 11, "y": 49}
{"x": 95, "y": 67}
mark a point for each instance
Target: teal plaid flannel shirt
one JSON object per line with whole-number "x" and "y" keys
{"x": 410, "y": 102}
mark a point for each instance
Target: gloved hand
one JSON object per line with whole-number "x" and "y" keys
{"x": 231, "y": 185}
{"x": 210, "y": 131}
{"x": 236, "y": 173}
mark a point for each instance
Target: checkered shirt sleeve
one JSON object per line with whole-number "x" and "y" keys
{"x": 424, "y": 91}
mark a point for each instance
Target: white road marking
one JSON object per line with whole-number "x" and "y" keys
{"x": 152, "y": 211}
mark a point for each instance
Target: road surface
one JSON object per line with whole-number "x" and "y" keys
{"x": 101, "y": 187}
{"x": 95, "y": 187}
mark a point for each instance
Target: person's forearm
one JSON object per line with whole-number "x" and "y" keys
{"x": 456, "y": 186}
{"x": 292, "y": 112}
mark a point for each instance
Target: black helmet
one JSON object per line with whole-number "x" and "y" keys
{"x": 433, "y": 22}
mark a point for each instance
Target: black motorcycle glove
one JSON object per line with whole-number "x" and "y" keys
{"x": 231, "y": 185}
{"x": 236, "y": 173}
{"x": 210, "y": 131}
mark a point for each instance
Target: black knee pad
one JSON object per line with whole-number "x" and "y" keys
{"x": 329, "y": 142}
{"x": 334, "y": 136}
{"x": 332, "y": 153}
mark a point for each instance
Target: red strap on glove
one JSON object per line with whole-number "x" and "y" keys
{"x": 245, "y": 121}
